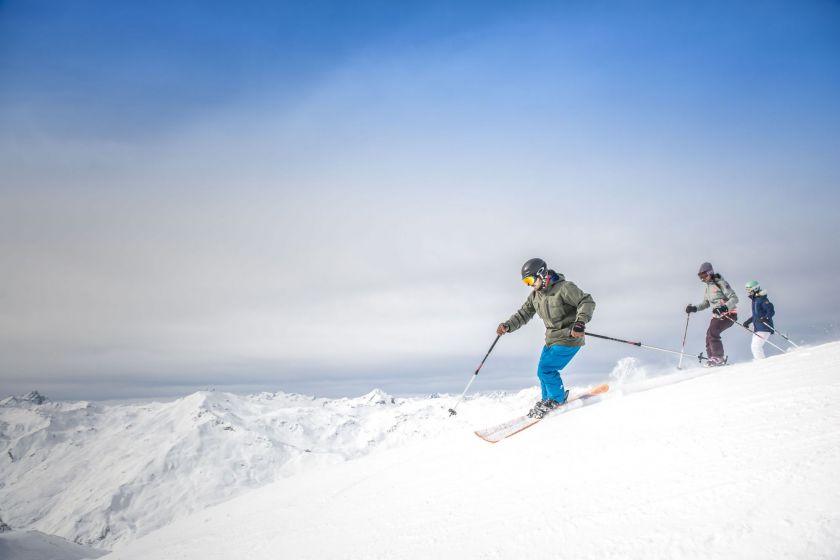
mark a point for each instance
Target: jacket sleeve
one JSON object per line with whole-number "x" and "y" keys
{"x": 705, "y": 304}
{"x": 522, "y": 316}
{"x": 581, "y": 300}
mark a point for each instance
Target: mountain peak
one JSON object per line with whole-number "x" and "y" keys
{"x": 32, "y": 397}
{"x": 377, "y": 396}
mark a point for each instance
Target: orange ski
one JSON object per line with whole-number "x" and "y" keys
{"x": 504, "y": 430}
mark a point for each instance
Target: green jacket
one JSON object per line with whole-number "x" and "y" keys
{"x": 559, "y": 305}
{"x": 718, "y": 292}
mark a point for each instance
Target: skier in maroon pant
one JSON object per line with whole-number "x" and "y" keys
{"x": 722, "y": 299}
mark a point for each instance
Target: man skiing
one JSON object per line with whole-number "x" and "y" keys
{"x": 723, "y": 301}
{"x": 565, "y": 309}
{"x": 762, "y": 318}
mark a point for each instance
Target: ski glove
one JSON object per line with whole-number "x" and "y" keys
{"x": 578, "y": 327}
{"x": 720, "y": 310}
{"x": 748, "y": 322}
{"x": 691, "y": 308}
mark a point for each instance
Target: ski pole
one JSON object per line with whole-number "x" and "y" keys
{"x": 754, "y": 333}
{"x": 685, "y": 334}
{"x": 700, "y": 357}
{"x": 795, "y": 345}
{"x": 452, "y": 410}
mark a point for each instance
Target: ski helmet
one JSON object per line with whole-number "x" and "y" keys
{"x": 534, "y": 267}
{"x": 752, "y": 286}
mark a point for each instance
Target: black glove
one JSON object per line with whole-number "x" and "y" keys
{"x": 690, "y": 308}
{"x": 720, "y": 310}
{"x": 578, "y": 326}
{"x": 748, "y": 322}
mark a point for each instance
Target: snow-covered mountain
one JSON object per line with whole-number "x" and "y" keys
{"x": 34, "y": 545}
{"x": 739, "y": 463}
{"x": 735, "y": 462}
{"x": 102, "y": 475}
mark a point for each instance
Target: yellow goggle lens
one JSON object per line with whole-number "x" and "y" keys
{"x": 530, "y": 280}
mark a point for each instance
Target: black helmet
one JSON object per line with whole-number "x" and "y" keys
{"x": 534, "y": 267}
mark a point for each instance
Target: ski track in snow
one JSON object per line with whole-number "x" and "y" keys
{"x": 735, "y": 462}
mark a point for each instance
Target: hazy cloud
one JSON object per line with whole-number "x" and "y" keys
{"x": 367, "y": 228}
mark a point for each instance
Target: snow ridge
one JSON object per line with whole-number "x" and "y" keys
{"x": 102, "y": 475}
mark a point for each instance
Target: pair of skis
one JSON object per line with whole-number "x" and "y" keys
{"x": 504, "y": 430}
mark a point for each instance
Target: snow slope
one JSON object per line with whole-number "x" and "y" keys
{"x": 741, "y": 462}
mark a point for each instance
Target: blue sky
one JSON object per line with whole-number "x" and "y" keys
{"x": 329, "y": 197}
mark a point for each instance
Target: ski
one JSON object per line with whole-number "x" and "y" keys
{"x": 504, "y": 430}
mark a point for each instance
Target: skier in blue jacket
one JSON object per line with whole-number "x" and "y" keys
{"x": 762, "y": 318}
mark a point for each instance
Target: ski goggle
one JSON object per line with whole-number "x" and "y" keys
{"x": 530, "y": 280}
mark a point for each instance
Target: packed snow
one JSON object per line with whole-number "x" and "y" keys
{"x": 734, "y": 462}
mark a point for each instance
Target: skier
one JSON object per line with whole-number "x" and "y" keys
{"x": 723, "y": 301}
{"x": 565, "y": 309}
{"x": 762, "y": 318}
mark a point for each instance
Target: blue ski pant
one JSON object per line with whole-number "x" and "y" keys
{"x": 552, "y": 361}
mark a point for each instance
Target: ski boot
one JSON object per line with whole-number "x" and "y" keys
{"x": 545, "y": 406}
